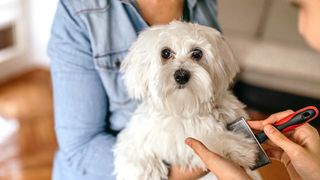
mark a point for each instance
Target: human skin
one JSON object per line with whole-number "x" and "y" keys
{"x": 160, "y": 11}
{"x": 299, "y": 151}
{"x": 156, "y": 12}
{"x": 309, "y": 21}
{"x": 168, "y": 10}
{"x": 220, "y": 167}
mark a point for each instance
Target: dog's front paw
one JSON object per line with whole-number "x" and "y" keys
{"x": 244, "y": 152}
{"x": 235, "y": 147}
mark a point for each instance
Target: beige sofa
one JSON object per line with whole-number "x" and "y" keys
{"x": 264, "y": 37}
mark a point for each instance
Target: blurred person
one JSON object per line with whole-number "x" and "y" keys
{"x": 300, "y": 152}
{"x": 88, "y": 42}
{"x": 309, "y": 21}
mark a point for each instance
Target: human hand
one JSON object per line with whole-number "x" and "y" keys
{"x": 176, "y": 173}
{"x": 298, "y": 150}
{"x": 222, "y": 168}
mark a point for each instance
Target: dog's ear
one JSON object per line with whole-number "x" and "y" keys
{"x": 224, "y": 64}
{"x": 135, "y": 67}
{"x": 225, "y": 53}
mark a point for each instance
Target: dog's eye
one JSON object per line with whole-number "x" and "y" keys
{"x": 196, "y": 54}
{"x": 166, "y": 53}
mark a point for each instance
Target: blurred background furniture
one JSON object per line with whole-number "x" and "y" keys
{"x": 24, "y": 32}
{"x": 11, "y": 35}
{"x": 11, "y": 43}
{"x": 279, "y": 71}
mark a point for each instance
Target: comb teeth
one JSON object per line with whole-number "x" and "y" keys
{"x": 241, "y": 126}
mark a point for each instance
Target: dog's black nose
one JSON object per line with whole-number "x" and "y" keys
{"x": 182, "y": 76}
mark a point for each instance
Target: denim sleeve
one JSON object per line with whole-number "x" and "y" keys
{"x": 80, "y": 101}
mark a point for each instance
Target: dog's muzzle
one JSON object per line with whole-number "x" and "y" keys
{"x": 182, "y": 76}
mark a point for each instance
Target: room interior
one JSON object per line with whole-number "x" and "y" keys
{"x": 278, "y": 72}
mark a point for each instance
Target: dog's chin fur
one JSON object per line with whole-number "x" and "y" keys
{"x": 171, "y": 112}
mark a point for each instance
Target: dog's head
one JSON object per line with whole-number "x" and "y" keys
{"x": 179, "y": 66}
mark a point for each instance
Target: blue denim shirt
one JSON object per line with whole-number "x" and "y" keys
{"x": 89, "y": 40}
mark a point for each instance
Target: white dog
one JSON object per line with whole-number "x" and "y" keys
{"x": 181, "y": 73}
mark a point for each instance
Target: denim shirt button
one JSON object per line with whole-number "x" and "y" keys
{"x": 118, "y": 64}
{"x": 84, "y": 172}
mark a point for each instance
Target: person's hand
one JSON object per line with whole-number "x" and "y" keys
{"x": 299, "y": 151}
{"x": 222, "y": 168}
{"x": 176, "y": 173}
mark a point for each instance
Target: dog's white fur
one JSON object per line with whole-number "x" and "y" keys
{"x": 168, "y": 113}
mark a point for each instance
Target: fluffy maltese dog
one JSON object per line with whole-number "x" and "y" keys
{"x": 181, "y": 73}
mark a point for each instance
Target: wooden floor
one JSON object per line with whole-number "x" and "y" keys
{"x": 27, "y": 154}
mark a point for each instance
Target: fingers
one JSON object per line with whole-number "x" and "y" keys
{"x": 277, "y": 117}
{"x": 274, "y": 154}
{"x": 212, "y": 160}
{"x": 306, "y": 135}
{"x": 281, "y": 140}
{"x": 258, "y": 125}
{"x": 307, "y": 130}
{"x": 176, "y": 172}
{"x": 217, "y": 164}
{"x": 201, "y": 150}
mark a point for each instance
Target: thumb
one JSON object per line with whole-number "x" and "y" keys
{"x": 200, "y": 149}
{"x": 280, "y": 140}
{"x": 213, "y": 161}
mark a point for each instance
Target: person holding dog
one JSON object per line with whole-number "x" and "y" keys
{"x": 88, "y": 42}
{"x": 300, "y": 152}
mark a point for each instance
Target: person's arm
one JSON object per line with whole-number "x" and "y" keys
{"x": 219, "y": 166}
{"x": 300, "y": 151}
{"x": 80, "y": 101}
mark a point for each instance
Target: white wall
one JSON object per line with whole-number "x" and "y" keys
{"x": 40, "y": 16}
{"x": 34, "y": 26}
